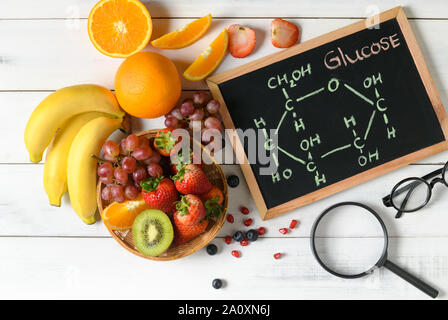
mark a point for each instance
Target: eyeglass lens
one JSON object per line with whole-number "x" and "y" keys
{"x": 411, "y": 195}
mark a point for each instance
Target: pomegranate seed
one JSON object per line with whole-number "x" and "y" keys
{"x": 230, "y": 218}
{"x": 236, "y": 253}
{"x": 293, "y": 224}
{"x": 244, "y": 210}
{"x": 248, "y": 222}
{"x": 244, "y": 242}
{"x": 261, "y": 231}
{"x": 228, "y": 239}
{"x": 283, "y": 230}
{"x": 277, "y": 256}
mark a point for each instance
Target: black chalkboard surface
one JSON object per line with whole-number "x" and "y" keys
{"x": 352, "y": 105}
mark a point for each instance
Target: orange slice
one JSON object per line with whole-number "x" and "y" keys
{"x": 209, "y": 59}
{"x": 121, "y": 216}
{"x": 184, "y": 36}
{"x": 119, "y": 28}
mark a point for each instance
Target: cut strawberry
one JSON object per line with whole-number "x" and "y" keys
{"x": 284, "y": 34}
{"x": 241, "y": 40}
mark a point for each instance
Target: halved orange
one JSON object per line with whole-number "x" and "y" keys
{"x": 209, "y": 59}
{"x": 119, "y": 28}
{"x": 121, "y": 216}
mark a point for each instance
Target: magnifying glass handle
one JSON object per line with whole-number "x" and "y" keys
{"x": 419, "y": 284}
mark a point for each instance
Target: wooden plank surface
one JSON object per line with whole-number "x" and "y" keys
{"x": 49, "y": 253}
{"x": 69, "y": 9}
{"x": 99, "y": 268}
{"x": 32, "y": 48}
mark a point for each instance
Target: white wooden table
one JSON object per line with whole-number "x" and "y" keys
{"x": 48, "y": 252}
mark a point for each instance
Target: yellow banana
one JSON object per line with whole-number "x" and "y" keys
{"x": 51, "y": 114}
{"x": 81, "y": 166}
{"x": 55, "y": 167}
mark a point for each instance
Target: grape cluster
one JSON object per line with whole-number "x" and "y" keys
{"x": 125, "y": 165}
{"x": 199, "y": 108}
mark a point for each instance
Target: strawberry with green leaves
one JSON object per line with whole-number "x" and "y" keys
{"x": 190, "y": 179}
{"x": 189, "y": 210}
{"x": 160, "y": 193}
{"x": 165, "y": 141}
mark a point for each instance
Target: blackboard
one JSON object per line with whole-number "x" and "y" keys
{"x": 344, "y": 108}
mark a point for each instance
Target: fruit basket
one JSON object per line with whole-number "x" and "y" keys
{"x": 214, "y": 173}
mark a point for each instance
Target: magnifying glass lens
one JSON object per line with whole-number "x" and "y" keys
{"x": 349, "y": 240}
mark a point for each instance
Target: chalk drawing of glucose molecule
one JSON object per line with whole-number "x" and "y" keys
{"x": 309, "y": 139}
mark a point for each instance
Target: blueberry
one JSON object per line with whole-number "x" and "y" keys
{"x": 252, "y": 235}
{"x": 217, "y": 283}
{"x": 238, "y": 236}
{"x": 212, "y": 249}
{"x": 233, "y": 181}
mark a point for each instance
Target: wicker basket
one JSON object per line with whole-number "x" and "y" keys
{"x": 216, "y": 177}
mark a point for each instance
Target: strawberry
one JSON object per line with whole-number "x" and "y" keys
{"x": 164, "y": 142}
{"x": 186, "y": 233}
{"x": 160, "y": 193}
{"x": 190, "y": 210}
{"x": 284, "y": 34}
{"x": 241, "y": 40}
{"x": 190, "y": 179}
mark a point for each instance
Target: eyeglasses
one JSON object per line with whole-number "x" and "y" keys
{"x": 412, "y": 194}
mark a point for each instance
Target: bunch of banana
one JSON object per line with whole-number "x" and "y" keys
{"x": 76, "y": 120}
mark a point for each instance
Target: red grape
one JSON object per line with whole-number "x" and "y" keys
{"x": 197, "y": 125}
{"x": 111, "y": 149}
{"x": 123, "y": 149}
{"x": 142, "y": 153}
{"x": 131, "y": 192}
{"x": 107, "y": 180}
{"x": 200, "y": 98}
{"x": 106, "y": 194}
{"x": 212, "y": 106}
{"x": 139, "y": 174}
{"x": 187, "y": 108}
{"x": 171, "y": 122}
{"x": 155, "y": 158}
{"x": 129, "y": 164}
{"x": 131, "y": 142}
{"x": 117, "y": 193}
{"x": 176, "y": 113}
{"x": 105, "y": 170}
{"x": 120, "y": 175}
{"x": 213, "y": 123}
{"x": 197, "y": 115}
{"x": 154, "y": 170}
{"x": 143, "y": 141}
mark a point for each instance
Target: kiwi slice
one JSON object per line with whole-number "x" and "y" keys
{"x": 152, "y": 232}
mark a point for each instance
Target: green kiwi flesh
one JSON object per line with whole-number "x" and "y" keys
{"x": 152, "y": 232}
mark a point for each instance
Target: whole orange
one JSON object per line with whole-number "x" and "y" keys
{"x": 147, "y": 85}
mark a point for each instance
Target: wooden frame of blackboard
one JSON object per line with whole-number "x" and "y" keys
{"x": 395, "y": 13}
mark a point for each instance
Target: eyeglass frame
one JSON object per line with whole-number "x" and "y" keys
{"x": 387, "y": 201}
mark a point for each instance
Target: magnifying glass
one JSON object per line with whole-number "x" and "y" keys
{"x": 350, "y": 240}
